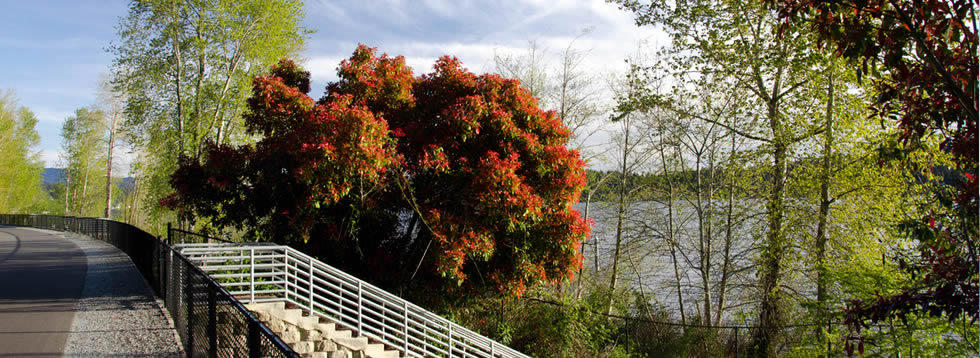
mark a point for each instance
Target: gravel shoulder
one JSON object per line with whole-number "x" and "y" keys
{"x": 117, "y": 314}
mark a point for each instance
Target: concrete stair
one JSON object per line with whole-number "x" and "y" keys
{"x": 312, "y": 339}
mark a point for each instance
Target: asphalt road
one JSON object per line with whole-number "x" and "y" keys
{"x": 41, "y": 280}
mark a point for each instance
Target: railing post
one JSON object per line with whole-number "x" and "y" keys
{"x": 360, "y": 328}
{"x": 285, "y": 276}
{"x": 212, "y": 323}
{"x": 450, "y": 335}
{"x": 311, "y": 286}
{"x": 491, "y": 348}
{"x": 251, "y": 275}
{"x": 161, "y": 279}
{"x": 405, "y": 327}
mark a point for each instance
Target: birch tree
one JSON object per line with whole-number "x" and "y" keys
{"x": 20, "y": 185}
{"x": 186, "y": 68}
{"x": 84, "y": 156}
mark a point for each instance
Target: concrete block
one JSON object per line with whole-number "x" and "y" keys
{"x": 303, "y": 347}
{"x": 290, "y": 334}
{"x": 325, "y": 345}
{"x": 340, "y": 353}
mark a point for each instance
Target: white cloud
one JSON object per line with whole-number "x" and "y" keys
{"x": 122, "y": 161}
{"x": 323, "y": 68}
{"x": 49, "y": 115}
{"x": 51, "y": 158}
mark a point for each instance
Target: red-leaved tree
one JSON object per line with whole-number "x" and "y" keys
{"x": 449, "y": 179}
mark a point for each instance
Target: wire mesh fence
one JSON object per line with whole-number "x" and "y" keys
{"x": 209, "y": 321}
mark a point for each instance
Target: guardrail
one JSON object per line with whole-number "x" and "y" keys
{"x": 271, "y": 273}
{"x": 208, "y": 319}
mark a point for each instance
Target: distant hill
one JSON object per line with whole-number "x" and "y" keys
{"x": 52, "y": 176}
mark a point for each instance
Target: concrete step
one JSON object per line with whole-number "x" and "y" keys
{"x": 292, "y": 315}
{"x": 327, "y": 327}
{"x": 377, "y": 350}
{"x": 353, "y": 343}
{"x": 343, "y": 333}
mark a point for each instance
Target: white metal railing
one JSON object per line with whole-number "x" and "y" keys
{"x": 273, "y": 273}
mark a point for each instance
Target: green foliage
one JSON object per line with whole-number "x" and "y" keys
{"x": 185, "y": 68}
{"x": 923, "y": 58}
{"x": 20, "y": 173}
{"x": 84, "y": 150}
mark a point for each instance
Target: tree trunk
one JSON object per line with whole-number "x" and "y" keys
{"x": 134, "y": 203}
{"x": 178, "y": 79}
{"x": 670, "y": 228}
{"x": 729, "y": 222}
{"x": 197, "y": 90}
{"x": 108, "y": 171}
{"x": 621, "y": 214}
{"x": 821, "y": 239}
{"x": 772, "y": 255}
{"x": 773, "y": 249}
{"x": 704, "y": 247}
{"x": 67, "y": 188}
{"x": 822, "y": 216}
{"x": 79, "y": 203}
{"x": 673, "y": 248}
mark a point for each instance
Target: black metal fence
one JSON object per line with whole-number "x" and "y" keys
{"x": 210, "y": 322}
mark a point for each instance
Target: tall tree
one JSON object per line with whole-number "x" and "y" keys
{"x": 737, "y": 40}
{"x": 632, "y": 152}
{"x": 482, "y": 175}
{"x": 20, "y": 185}
{"x": 111, "y": 101}
{"x": 185, "y": 67}
{"x": 924, "y": 58}
{"x": 84, "y": 154}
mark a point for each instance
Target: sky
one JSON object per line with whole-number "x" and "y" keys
{"x": 54, "y": 52}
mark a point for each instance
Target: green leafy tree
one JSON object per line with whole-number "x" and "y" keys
{"x": 20, "y": 176}
{"x": 185, "y": 68}
{"x": 923, "y": 55}
{"x": 84, "y": 149}
{"x": 736, "y": 41}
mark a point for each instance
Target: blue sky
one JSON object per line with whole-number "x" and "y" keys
{"x": 54, "y": 51}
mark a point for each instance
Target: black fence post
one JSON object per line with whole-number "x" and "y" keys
{"x": 254, "y": 346}
{"x": 189, "y": 301}
{"x": 212, "y": 322}
{"x": 736, "y": 342}
{"x": 170, "y": 240}
{"x": 627, "y": 336}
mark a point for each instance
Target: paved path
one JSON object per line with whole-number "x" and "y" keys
{"x": 63, "y": 294}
